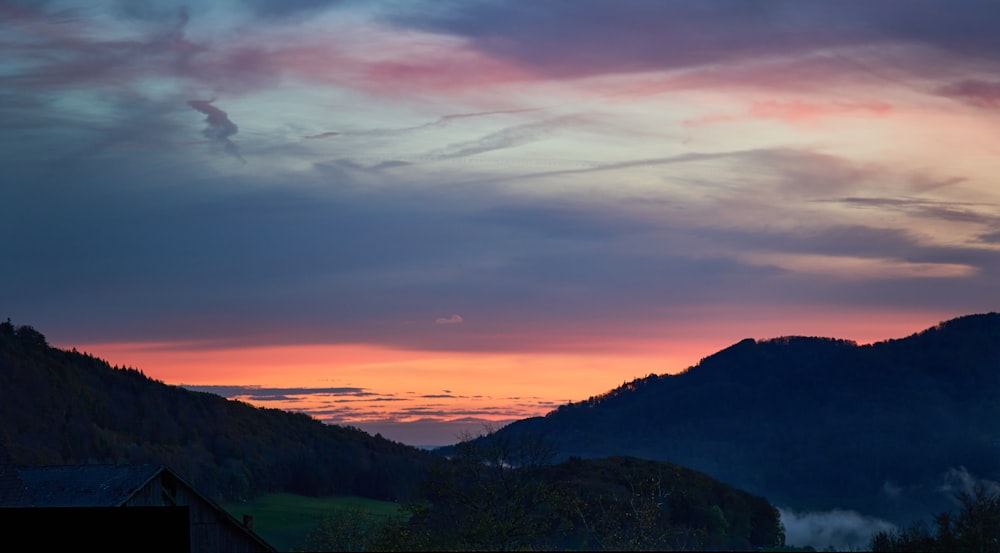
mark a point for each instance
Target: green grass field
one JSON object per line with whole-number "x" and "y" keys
{"x": 284, "y": 519}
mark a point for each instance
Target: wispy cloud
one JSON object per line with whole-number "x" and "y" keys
{"x": 327, "y": 134}
{"x": 260, "y": 392}
{"x": 510, "y": 137}
{"x": 451, "y": 320}
{"x": 219, "y": 129}
{"x": 429, "y": 419}
{"x": 441, "y": 122}
{"x": 966, "y": 212}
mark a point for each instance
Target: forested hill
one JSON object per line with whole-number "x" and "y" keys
{"x": 65, "y": 407}
{"x": 890, "y": 429}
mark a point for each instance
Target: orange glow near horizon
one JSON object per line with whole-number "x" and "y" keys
{"x": 407, "y": 386}
{"x": 513, "y": 384}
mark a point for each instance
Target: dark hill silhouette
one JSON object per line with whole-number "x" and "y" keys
{"x": 890, "y": 429}
{"x": 499, "y": 495}
{"x": 63, "y": 407}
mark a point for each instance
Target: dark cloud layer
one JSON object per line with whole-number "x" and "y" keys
{"x": 386, "y": 231}
{"x": 284, "y": 8}
{"x": 592, "y": 36}
{"x": 187, "y": 257}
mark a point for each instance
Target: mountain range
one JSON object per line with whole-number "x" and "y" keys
{"x": 891, "y": 429}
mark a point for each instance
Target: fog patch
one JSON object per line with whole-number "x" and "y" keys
{"x": 892, "y": 490}
{"x": 960, "y": 480}
{"x": 837, "y": 529}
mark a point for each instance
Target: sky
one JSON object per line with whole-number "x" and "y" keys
{"x": 423, "y": 217}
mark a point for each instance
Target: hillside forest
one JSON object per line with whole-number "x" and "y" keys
{"x": 66, "y": 407}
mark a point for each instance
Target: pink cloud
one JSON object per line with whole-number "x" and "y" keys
{"x": 373, "y": 59}
{"x": 452, "y": 71}
{"x": 398, "y": 67}
{"x": 454, "y": 319}
{"x": 394, "y": 60}
{"x": 709, "y": 119}
{"x": 975, "y": 92}
{"x": 370, "y": 58}
{"x": 800, "y": 112}
{"x": 795, "y": 112}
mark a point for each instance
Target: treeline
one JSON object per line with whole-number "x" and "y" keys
{"x": 498, "y": 495}
{"x": 65, "y": 407}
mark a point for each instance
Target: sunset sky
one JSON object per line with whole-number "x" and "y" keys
{"x": 414, "y": 216}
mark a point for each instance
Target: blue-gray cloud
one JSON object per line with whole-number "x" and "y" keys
{"x": 142, "y": 251}
{"x": 218, "y": 128}
{"x": 592, "y": 36}
{"x": 990, "y": 237}
{"x": 285, "y": 8}
{"x": 510, "y": 137}
{"x": 125, "y": 229}
{"x": 569, "y": 222}
{"x": 966, "y": 212}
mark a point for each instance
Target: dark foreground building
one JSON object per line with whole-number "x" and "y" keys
{"x": 116, "y": 508}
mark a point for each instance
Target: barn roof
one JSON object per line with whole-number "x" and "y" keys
{"x": 85, "y": 485}
{"x": 91, "y": 486}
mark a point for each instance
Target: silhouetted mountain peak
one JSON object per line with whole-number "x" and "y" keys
{"x": 751, "y": 358}
{"x": 735, "y": 351}
{"x": 808, "y": 341}
{"x": 814, "y": 423}
{"x": 982, "y": 327}
{"x": 964, "y": 346}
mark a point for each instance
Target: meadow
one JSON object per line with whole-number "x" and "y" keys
{"x": 285, "y": 519}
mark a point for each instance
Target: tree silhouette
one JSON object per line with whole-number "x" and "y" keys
{"x": 976, "y": 528}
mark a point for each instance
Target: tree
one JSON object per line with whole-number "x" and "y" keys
{"x": 494, "y": 494}
{"x": 356, "y": 529}
{"x": 488, "y": 496}
{"x": 634, "y": 517}
{"x": 976, "y": 528}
